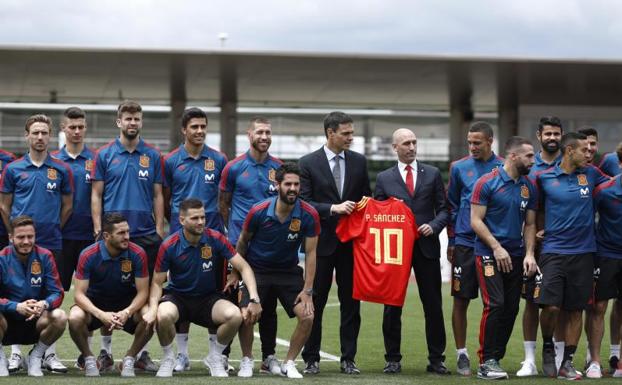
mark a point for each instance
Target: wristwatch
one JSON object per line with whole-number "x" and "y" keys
{"x": 255, "y": 301}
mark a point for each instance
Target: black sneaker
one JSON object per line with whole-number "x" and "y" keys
{"x": 548, "y": 362}
{"x": 490, "y": 370}
{"x": 613, "y": 365}
{"x": 568, "y": 372}
{"x": 349, "y": 367}
{"x": 313, "y": 367}
{"x": 392, "y": 367}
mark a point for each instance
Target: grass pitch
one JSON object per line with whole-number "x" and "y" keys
{"x": 370, "y": 357}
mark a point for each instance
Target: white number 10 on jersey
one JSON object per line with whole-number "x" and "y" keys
{"x": 379, "y": 250}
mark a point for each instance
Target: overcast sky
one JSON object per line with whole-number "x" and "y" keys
{"x": 590, "y": 29}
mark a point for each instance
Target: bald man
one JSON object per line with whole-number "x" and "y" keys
{"x": 421, "y": 187}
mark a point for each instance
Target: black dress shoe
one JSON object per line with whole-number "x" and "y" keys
{"x": 392, "y": 367}
{"x": 349, "y": 367}
{"x": 438, "y": 368}
{"x": 313, "y": 367}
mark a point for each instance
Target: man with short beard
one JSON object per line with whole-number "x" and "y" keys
{"x": 272, "y": 234}
{"x": 246, "y": 180}
{"x": 503, "y": 210}
{"x": 549, "y": 135}
{"x": 127, "y": 178}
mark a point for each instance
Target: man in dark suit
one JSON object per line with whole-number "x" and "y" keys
{"x": 421, "y": 187}
{"x": 332, "y": 180}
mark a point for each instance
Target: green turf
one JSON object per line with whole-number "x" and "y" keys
{"x": 370, "y": 358}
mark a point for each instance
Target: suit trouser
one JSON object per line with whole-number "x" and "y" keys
{"x": 428, "y": 276}
{"x": 501, "y": 298}
{"x": 341, "y": 261}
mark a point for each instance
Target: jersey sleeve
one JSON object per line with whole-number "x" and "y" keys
{"x": 67, "y": 186}
{"x": 312, "y": 224}
{"x": 251, "y": 223}
{"x": 224, "y": 247}
{"x": 99, "y": 171}
{"x": 158, "y": 168}
{"x": 7, "y": 184}
{"x": 227, "y": 179}
{"x": 600, "y": 176}
{"x": 6, "y": 305}
{"x": 169, "y": 169}
{"x": 533, "y": 202}
{"x": 162, "y": 260}
{"x": 481, "y": 192}
{"x": 350, "y": 226}
{"x": 453, "y": 201}
{"x": 141, "y": 269}
{"x": 83, "y": 269}
{"x": 609, "y": 165}
{"x": 53, "y": 288}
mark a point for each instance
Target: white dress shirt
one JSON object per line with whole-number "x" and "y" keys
{"x": 332, "y": 159}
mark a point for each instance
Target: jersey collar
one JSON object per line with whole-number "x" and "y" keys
{"x": 184, "y": 242}
{"x": 205, "y": 153}
{"x": 140, "y": 147}
{"x": 271, "y": 213}
{"x": 48, "y": 160}
{"x": 64, "y": 155}
{"x": 540, "y": 162}
{"x": 106, "y": 255}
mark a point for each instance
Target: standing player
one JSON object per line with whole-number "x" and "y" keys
{"x": 30, "y": 294}
{"x": 607, "y": 199}
{"x": 246, "y": 180}
{"x": 272, "y": 234}
{"x": 41, "y": 187}
{"x": 566, "y": 262}
{"x": 333, "y": 178}
{"x": 112, "y": 286}
{"x": 127, "y": 178}
{"x": 503, "y": 211}
{"x": 463, "y": 174}
{"x": 5, "y": 158}
{"x": 549, "y": 135}
{"x": 190, "y": 257}
{"x": 192, "y": 170}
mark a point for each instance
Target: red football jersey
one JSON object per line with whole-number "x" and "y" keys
{"x": 383, "y": 234}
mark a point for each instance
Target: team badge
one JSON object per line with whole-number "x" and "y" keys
{"x": 52, "y": 174}
{"x": 524, "y": 192}
{"x": 126, "y": 266}
{"x": 489, "y": 271}
{"x": 144, "y": 161}
{"x": 206, "y": 252}
{"x": 209, "y": 165}
{"x": 88, "y": 165}
{"x": 272, "y": 175}
{"x": 35, "y": 268}
{"x": 456, "y": 285}
{"x": 294, "y": 225}
{"x": 582, "y": 180}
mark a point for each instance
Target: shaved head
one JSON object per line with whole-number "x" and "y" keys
{"x": 400, "y": 133}
{"x": 405, "y": 145}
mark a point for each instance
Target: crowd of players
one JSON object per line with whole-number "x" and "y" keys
{"x": 522, "y": 224}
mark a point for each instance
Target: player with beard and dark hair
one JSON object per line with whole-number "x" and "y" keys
{"x": 549, "y": 135}
{"x": 503, "y": 203}
{"x": 244, "y": 181}
{"x": 272, "y": 234}
{"x": 127, "y": 178}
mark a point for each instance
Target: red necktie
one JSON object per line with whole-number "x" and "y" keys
{"x": 409, "y": 180}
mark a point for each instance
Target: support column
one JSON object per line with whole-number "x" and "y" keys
{"x": 460, "y": 108}
{"x": 367, "y": 134}
{"x": 177, "y": 86}
{"x": 507, "y": 102}
{"x": 228, "y": 106}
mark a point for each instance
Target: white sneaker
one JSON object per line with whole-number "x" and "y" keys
{"x": 215, "y": 364}
{"x": 527, "y": 369}
{"x": 16, "y": 362}
{"x": 127, "y": 367}
{"x": 34, "y": 366}
{"x": 90, "y": 367}
{"x": 182, "y": 362}
{"x": 53, "y": 364}
{"x": 594, "y": 370}
{"x": 246, "y": 367}
{"x": 4, "y": 365}
{"x": 167, "y": 365}
{"x": 289, "y": 369}
{"x": 271, "y": 366}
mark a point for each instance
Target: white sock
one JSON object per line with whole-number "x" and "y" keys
{"x": 182, "y": 343}
{"x": 614, "y": 351}
{"x": 89, "y": 341}
{"x": 530, "y": 351}
{"x": 39, "y": 349}
{"x": 212, "y": 338}
{"x": 218, "y": 348}
{"x": 461, "y": 351}
{"x": 588, "y": 356}
{"x": 107, "y": 344}
{"x": 559, "y": 353}
{"x": 16, "y": 349}
{"x": 168, "y": 351}
{"x": 51, "y": 350}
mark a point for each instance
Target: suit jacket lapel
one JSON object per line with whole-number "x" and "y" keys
{"x": 398, "y": 179}
{"x": 420, "y": 176}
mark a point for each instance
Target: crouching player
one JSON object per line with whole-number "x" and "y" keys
{"x": 272, "y": 234}
{"x": 111, "y": 290}
{"x": 190, "y": 257}
{"x": 30, "y": 294}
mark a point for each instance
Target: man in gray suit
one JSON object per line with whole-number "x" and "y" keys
{"x": 421, "y": 187}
